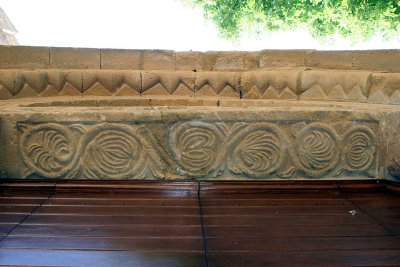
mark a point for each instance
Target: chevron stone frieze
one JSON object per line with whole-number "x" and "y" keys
{"x": 291, "y": 84}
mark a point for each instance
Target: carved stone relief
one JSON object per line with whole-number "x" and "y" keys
{"x": 199, "y": 149}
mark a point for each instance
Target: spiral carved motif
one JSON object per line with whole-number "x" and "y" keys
{"x": 359, "y": 148}
{"x": 260, "y": 152}
{"x": 48, "y": 149}
{"x": 317, "y": 149}
{"x": 113, "y": 153}
{"x": 195, "y": 146}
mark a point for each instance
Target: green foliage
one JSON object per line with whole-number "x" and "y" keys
{"x": 353, "y": 19}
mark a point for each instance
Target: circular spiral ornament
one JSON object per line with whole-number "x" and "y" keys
{"x": 358, "y": 148}
{"x": 112, "y": 152}
{"x": 196, "y": 147}
{"x": 48, "y": 149}
{"x": 317, "y": 148}
{"x": 260, "y": 150}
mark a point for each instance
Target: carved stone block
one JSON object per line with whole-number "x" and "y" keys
{"x": 178, "y": 83}
{"x": 385, "y": 88}
{"x": 217, "y": 84}
{"x": 271, "y": 84}
{"x": 335, "y": 85}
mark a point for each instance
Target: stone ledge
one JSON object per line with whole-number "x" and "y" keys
{"x": 283, "y": 84}
{"x": 27, "y": 57}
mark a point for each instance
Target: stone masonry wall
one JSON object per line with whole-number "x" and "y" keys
{"x": 70, "y": 113}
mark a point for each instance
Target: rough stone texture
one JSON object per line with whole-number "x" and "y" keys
{"x": 272, "y": 84}
{"x": 29, "y": 57}
{"x": 385, "y": 88}
{"x": 383, "y": 60}
{"x": 158, "y": 60}
{"x": 217, "y": 84}
{"x": 192, "y": 115}
{"x": 120, "y": 59}
{"x": 329, "y": 59}
{"x": 180, "y": 143}
{"x": 5, "y": 56}
{"x": 282, "y": 58}
{"x": 192, "y": 61}
{"x": 180, "y": 83}
{"x": 335, "y": 85}
{"x": 80, "y": 58}
{"x": 235, "y": 61}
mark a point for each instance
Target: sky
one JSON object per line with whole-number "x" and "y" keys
{"x": 144, "y": 24}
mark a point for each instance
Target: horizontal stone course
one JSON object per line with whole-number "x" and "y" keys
{"x": 30, "y": 57}
{"x": 279, "y": 84}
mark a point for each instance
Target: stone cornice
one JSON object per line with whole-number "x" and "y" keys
{"x": 29, "y": 57}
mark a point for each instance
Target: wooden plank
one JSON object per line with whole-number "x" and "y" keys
{"x": 264, "y": 243}
{"x": 109, "y": 231}
{"x": 271, "y": 195}
{"x": 336, "y": 258}
{"x": 275, "y": 202}
{"x": 186, "y": 244}
{"x": 6, "y": 227}
{"x": 150, "y": 195}
{"x": 132, "y": 211}
{"x": 306, "y": 231}
{"x": 11, "y": 218}
{"x": 100, "y": 258}
{"x": 12, "y": 209}
{"x": 266, "y": 211}
{"x": 121, "y": 202}
{"x": 289, "y": 220}
{"x": 111, "y": 220}
{"x": 20, "y": 201}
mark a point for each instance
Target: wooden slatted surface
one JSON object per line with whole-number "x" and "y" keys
{"x": 199, "y": 224}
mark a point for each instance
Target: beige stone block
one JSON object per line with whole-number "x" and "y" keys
{"x": 120, "y": 59}
{"x": 221, "y": 84}
{"x": 384, "y": 60}
{"x": 236, "y": 61}
{"x": 71, "y": 83}
{"x": 158, "y": 60}
{"x": 75, "y": 58}
{"x": 30, "y": 57}
{"x": 329, "y": 59}
{"x": 176, "y": 102}
{"x": 179, "y": 83}
{"x": 272, "y": 84}
{"x": 97, "y": 83}
{"x": 8, "y": 80}
{"x": 192, "y": 61}
{"x": 127, "y": 83}
{"x": 335, "y": 85}
{"x": 385, "y": 88}
{"x": 5, "y": 56}
{"x": 282, "y": 58}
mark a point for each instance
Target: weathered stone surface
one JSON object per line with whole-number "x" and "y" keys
{"x": 217, "y": 84}
{"x": 329, "y": 59}
{"x": 120, "y": 59}
{"x": 30, "y": 57}
{"x": 271, "y": 84}
{"x": 383, "y": 60}
{"x": 69, "y": 58}
{"x": 335, "y": 85}
{"x": 282, "y": 58}
{"x": 180, "y": 143}
{"x": 180, "y": 83}
{"x": 213, "y": 115}
{"x": 385, "y": 88}
{"x": 158, "y": 60}
{"x": 5, "y": 56}
{"x": 235, "y": 61}
{"x": 191, "y": 61}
